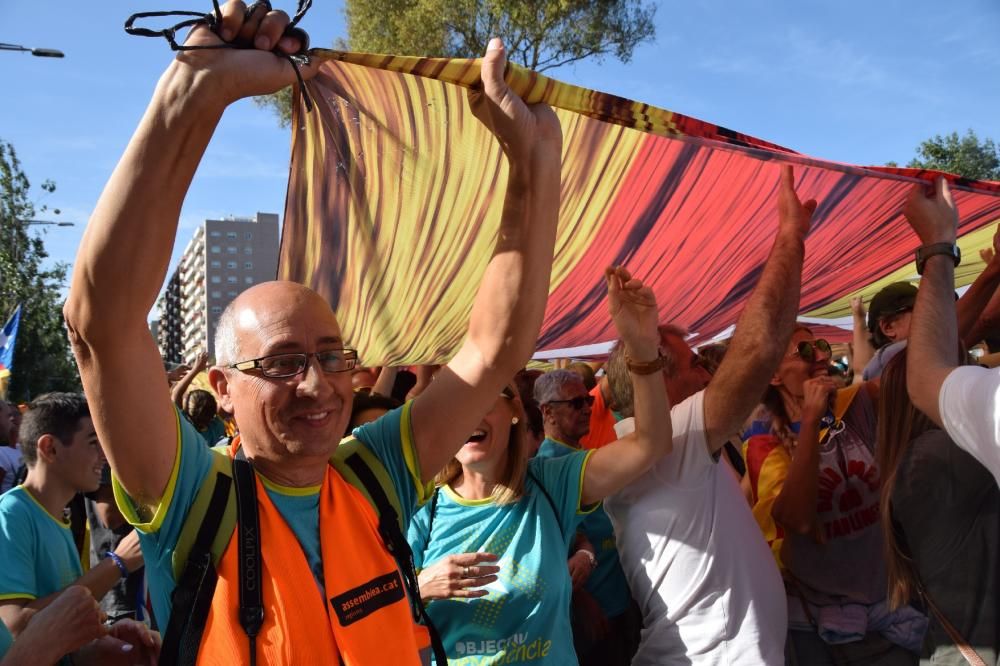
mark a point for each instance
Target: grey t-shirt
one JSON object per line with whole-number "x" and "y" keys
{"x": 948, "y": 506}
{"x": 849, "y": 567}
{"x": 881, "y": 359}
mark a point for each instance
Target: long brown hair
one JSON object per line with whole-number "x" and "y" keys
{"x": 899, "y": 423}
{"x": 510, "y": 484}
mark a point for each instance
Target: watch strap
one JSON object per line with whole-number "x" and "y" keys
{"x": 647, "y": 367}
{"x": 925, "y": 252}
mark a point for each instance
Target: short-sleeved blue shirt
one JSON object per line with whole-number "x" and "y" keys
{"x": 607, "y": 583}
{"x": 38, "y": 553}
{"x": 525, "y": 617}
{"x": 390, "y": 439}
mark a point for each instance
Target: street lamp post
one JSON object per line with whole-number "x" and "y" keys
{"x": 30, "y": 223}
{"x": 41, "y": 53}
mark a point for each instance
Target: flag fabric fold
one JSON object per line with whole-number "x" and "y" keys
{"x": 395, "y": 192}
{"x": 8, "y": 336}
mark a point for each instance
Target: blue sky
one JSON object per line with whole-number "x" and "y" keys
{"x": 858, "y": 82}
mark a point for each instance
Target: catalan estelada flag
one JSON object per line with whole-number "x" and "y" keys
{"x": 7, "y": 338}
{"x": 395, "y": 193}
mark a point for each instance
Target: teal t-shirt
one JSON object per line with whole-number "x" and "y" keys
{"x": 607, "y": 583}
{"x": 525, "y": 617}
{"x": 215, "y": 431}
{"x": 6, "y": 640}
{"x": 38, "y": 553}
{"x": 389, "y": 439}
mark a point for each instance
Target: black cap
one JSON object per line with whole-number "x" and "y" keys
{"x": 894, "y": 298}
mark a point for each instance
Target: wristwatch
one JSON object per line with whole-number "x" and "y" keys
{"x": 925, "y": 252}
{"x": 647, "y": 367}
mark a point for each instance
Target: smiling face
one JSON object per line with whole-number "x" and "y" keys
{"x": 794, "y": 370}
{"x": 487, "y": 447}
{"x": 80, "y": 461}
{"x": 297, "y": 419}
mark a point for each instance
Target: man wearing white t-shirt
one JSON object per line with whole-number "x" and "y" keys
{"x": 696, "y": 562}
{"x": 965, "y": 401}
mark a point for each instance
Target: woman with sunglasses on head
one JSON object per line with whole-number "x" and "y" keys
{"x": 810, "y": 455}
{"x": 491, "y": 544}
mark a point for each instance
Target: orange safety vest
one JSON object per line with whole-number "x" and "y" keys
{"x": 365, "y": 618}
{"x": 602, "y": 423}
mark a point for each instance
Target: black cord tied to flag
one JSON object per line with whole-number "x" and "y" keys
{"x": 214, "y": 20}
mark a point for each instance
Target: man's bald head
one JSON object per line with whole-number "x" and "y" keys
{"x": 251, "y": 307}
{"x": 291, "y": 422}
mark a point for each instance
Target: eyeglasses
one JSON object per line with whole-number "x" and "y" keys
{"x": 289, "y": 365}
{"x": 576, "y": 403}
{"x": 806, "y": 350}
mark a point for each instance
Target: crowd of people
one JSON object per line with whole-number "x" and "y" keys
{"x": 751, "y": 502}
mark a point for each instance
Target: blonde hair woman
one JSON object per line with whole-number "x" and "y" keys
{"x": 492, "y": 543}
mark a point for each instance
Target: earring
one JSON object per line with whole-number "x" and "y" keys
{"x": 514, "y": 421}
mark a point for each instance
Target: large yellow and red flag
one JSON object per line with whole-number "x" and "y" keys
{"x": 395, "y": 193}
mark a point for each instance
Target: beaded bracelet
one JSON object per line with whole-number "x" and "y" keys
{"x": 118, "y": 563}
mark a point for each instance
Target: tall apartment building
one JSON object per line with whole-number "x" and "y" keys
{"x": 223, "y": 258}
{"x": 168, "y": 333}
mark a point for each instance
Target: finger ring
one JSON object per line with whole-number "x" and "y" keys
{"x": 465, "y": 572}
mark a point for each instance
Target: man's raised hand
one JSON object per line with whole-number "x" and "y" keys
{"x": 518, "y": 127}
{"x": 632, "y": 306}
{"x": 792, "y": 213}
{"x": 254, "y": 67}
{"x": 931, "y": 212}
{"x": 858, "y": 308}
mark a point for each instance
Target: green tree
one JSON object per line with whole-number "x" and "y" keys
{"x": 963, "y": 155}
{"x": 538, "y": 34}
{"x": 42, "y": 358}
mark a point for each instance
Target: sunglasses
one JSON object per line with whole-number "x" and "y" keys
{"x": 895, "y": 313}
{"x": 806, "y": 350}
{"x": 576, "y": 403}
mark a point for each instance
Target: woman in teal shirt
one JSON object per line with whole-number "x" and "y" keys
{"x": 492, "y": 543}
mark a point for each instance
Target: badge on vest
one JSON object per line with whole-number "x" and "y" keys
{"x": 367, "y": 598}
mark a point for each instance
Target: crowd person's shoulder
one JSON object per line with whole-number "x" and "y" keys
{"x": 969, "y": 404}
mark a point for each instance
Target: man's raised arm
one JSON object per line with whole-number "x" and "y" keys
{"x": 766, "y": 325}
{"x": 507, "y": 312}
{"x": 933, "y": 341}
{"x": 123, "y": 258}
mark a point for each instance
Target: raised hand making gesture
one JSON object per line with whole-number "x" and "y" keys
{"x": 632, "y": 306}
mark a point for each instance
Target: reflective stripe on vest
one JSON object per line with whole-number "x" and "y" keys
{"x": 365, "y": 618}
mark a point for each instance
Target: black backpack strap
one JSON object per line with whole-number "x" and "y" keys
{"x": 545, "y": 492}
{"x": 192, "y": 596}
{"x": 248, "y": 527}
{"x": 390, "y": 529}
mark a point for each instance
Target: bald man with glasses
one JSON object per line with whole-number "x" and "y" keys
{"x": 283, "y": 371}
